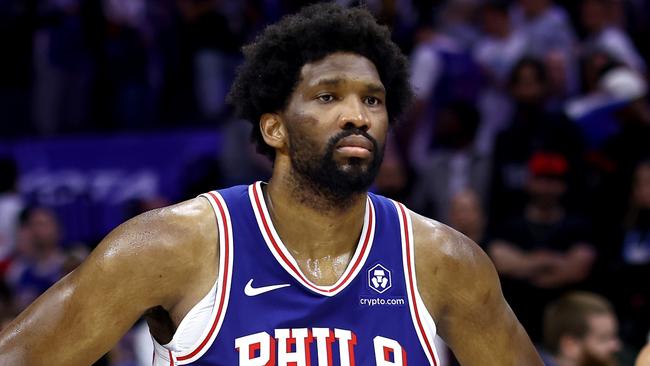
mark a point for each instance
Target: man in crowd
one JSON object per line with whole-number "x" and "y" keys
{"x": 581, "y": 329}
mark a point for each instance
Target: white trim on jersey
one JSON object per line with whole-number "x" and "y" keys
{"x": 286, "y": 260}
{"x": 422, "y": 321}
{"x": 196, "y": 326}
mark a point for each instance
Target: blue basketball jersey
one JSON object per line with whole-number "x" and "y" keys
{"x": 267, "y": 312}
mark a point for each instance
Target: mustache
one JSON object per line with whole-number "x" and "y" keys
{"x": 350, "y": 132}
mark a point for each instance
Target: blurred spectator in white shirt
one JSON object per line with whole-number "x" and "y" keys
{"x": 549, "y": 36}
{"x": 604, "y": 35}
{"x": 496, "y": 53}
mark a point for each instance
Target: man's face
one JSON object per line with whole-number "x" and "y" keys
{"x": 601, "y": 342}
{"x": 44, "y": 229}
{"x": 337, "y": 121}
{"x": 528, "y": 88}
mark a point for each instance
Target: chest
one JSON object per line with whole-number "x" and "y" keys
{"x": 271, "y": 308}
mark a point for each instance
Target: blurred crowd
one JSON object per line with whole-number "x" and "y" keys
{"x": 530, "y": 133}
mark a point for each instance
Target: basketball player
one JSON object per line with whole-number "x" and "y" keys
{"x": 307, "y": 269}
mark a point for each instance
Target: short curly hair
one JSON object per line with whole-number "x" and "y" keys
{"x": 272, "y": 65}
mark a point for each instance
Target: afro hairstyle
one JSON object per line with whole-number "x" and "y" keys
{"x": 272, "y": 63}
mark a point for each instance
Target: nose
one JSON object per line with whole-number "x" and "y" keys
{"x": 353, "y": 114}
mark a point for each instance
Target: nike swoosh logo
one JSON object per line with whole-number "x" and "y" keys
{"x": 249, "y": 290}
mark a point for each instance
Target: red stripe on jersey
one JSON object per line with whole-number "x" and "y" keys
{"x": 269, "y": 234}
{"x": 224, "y": 284}
{"x": 411, "y": 286}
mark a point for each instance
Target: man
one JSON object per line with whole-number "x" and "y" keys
{"x": 39, "y": 260}
{"x": 581, "y": 329}
{"x": 604, "y": 34}
{"x": 547, "y": 249}
{"x": 311, "y": 268}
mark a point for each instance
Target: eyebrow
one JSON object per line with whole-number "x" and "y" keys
{"x": 370, "y": 87}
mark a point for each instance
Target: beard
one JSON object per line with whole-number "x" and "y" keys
{"x": 590, "y": 359}
{"x": 335, "y": 181}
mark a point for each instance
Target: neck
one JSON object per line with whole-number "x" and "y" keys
{"x": 544, "y": 213}
{"x": 313, "y": 224}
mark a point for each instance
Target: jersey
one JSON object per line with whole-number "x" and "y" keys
{"x": 265, "y": 311}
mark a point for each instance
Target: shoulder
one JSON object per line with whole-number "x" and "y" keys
{"x": 460, "y": 289}
{"x": 450, "y": 264}
{"x": 181, "y": 227}
{"x": 437, "y": 242}
{"x": 159, "y": 251}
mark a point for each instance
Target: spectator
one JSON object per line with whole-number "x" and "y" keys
{"x": 211, "y": 58}
{"x": 11, "y": 204}
{"x": 628, "y": 261}
{"x": 63, "y": 68}
{"x": 497, "y": 52}
{"x": 16, "y": 34}
{"x": 616, "y": 123}
{"x": 453, "y": 165}
{"x": 549, "y": 35}
{"x": 40, "y": 261}
{"x": 533, "y": 128}
{"x": 546, "y": 26}
{"x": 603, "y": 34}
{"x": 457, "y": 20}
{"x": 546, "y": 250}
{"x": 466, "y": 215}
{"x": 127, "y": 53}
{"x": 238, "y": 162}
{"x": 442, "y": 71}
{"x": 637, "y": 24}
{"x": 581, "y": 329}
{"x": 393, "y": 180}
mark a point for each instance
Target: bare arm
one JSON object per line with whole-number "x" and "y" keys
{"x": 568, "y": 267}
{"x": 147, "y": 261}
{"x": 472, "y": 317}
{"x": 512, "y": 261}
{"x": 544, "y": 268}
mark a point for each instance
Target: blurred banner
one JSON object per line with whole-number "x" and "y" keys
{"x": 95, "y": 182}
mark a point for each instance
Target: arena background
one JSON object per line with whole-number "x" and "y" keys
{"x": 110, "y": 108}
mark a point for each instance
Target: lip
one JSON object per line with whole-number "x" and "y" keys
{"x": 355, "y": 146}
{"x": 357, "y": 141}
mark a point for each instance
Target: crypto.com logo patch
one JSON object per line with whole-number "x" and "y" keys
{"x": 379, "y": 278}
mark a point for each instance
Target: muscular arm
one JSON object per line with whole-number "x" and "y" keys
{"x": 147, "y": 261}
{"x": 460, "y": 287}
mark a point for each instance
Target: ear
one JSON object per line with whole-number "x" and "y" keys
{"x": 273, "y": 130}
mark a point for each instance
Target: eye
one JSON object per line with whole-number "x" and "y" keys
{"x": 372, "y": 101}
{"x": 325, "y": 98}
